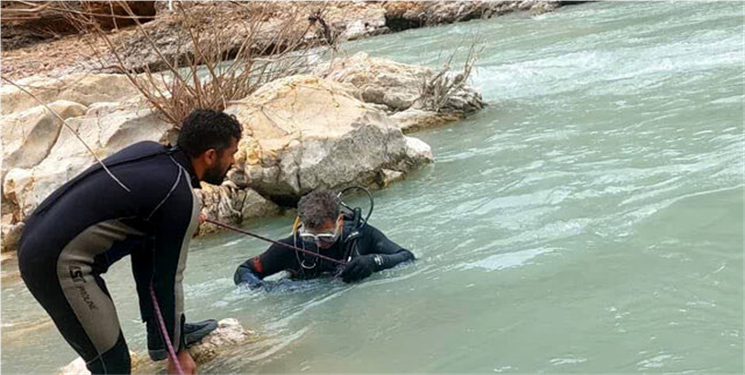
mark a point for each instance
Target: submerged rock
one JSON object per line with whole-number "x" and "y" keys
{"x": 228, "y": 335}
{"x": 415, "y": 119}
{"x": 388, "y": 176}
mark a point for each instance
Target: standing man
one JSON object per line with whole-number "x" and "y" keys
{"x": 92, "y": 221}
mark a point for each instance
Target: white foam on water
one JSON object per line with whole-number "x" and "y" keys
{"x": 567, "y": 361}
{"x": 508, "y": 260}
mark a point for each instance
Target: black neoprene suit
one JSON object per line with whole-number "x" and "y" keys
{"x": 278, "y": 258}
{"x": 86, "y": 225}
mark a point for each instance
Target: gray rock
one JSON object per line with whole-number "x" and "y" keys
{"x": 388, "y": 176}
{"x": 28, "y": 136}
{"x": 397, "y": 86}
{"x": 416, "y": 119}
{"x": 105, "y": 134}
{"x": 305, "y": 132}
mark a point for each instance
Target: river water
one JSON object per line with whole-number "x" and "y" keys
{"x": 590, "y": 219}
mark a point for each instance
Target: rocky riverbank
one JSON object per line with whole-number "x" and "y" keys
{"x": 47, "y": 46}
{"x": 332, "y": 129}
{"x": 342, "y": 124}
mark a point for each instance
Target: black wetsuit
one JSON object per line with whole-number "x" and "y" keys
{"x": 91, "y": 222}
{"x": 301, "y": 266}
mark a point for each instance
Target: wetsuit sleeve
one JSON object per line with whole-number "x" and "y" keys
{"x": 274, "y": 259}
{"x": 174, "y": 222}
{"x": 391, "y": 254}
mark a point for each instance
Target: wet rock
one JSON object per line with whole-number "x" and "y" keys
{"x": 77, "y": 366}
{"x": 413, "y": 119}
{"x": 228, "y": 334}
{"x": 388, "y": 177}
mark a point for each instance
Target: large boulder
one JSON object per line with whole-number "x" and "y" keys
{"x": 305, "y": 132}
{"x": 80, "y": 88}
{"x": 380, "y": 81}
{"x": 400, "y": 87}
{"x": 28, "y": 136}
{"x": 106, "y": 128}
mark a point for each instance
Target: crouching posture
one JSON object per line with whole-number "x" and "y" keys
{"x": 149, "y": 212}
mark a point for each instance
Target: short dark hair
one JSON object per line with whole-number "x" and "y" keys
{"x": 318, "y": 206}
{"x": 206, "y": 129}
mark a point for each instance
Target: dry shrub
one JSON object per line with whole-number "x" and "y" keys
{"x": 220, "y": 52}
{"x": 436, "y": 90}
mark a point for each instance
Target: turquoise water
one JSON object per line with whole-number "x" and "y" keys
{"x": 589, "y": 220}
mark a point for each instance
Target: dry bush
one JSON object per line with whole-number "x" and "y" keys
{"x": 263, "y": 41}
{"x": 436, "y": 90}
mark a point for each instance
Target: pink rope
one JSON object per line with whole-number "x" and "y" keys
{"x": 163, "y": 329}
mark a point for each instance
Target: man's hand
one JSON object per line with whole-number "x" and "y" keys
{"x": 359, "y": 268}
{"x": 186, "y": 362}
{"x": 202, "y": 217}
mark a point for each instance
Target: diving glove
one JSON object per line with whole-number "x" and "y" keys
{"x": 362, "y": 267}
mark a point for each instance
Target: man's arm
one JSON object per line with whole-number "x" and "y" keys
{"x": 173, "y": 223}
{"x": 377, "y": 253}
{"x": 274, "y": 259}
{"x": 391, "y": 253}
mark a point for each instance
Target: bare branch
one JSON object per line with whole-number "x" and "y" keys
{"x": 33, "y": 10}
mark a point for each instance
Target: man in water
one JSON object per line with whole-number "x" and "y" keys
{"x": 323, "y": 230}
{"x": 151, "y": 212}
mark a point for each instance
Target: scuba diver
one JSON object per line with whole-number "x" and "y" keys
{"x": 141, "y": 203}
{"x": 322, "y": 228}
